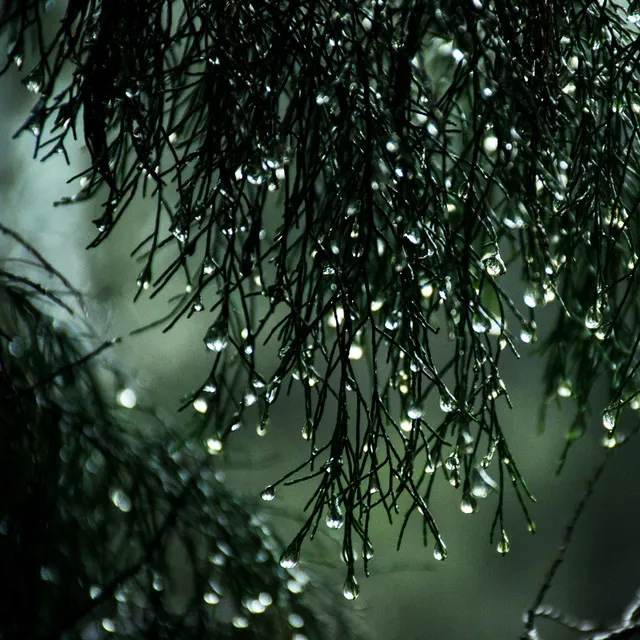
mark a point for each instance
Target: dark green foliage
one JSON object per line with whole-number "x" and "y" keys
{"x": 357, "y": 181}
{"x": 93, "y": 516}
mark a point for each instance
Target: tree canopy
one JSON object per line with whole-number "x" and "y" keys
{"x": 391, "y": 194}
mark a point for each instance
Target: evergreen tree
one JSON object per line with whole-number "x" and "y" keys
{"x": 391, "y": 193}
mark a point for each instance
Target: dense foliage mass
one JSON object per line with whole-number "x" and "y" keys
{"x": 390, "y": 192}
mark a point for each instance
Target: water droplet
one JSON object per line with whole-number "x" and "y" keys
{"x": 250, "y": 398}
{"x": 609, "y": 419}
{"x": 392, "y": 146}
{"x": 469, "y": 504}
{"x": 415, "y": 412}
{"x": 447, "y": 403}
{"x": 290, "y": 557}
{"x": 532, "y": 297}
{"x": 367, "y": 550}
{"x": 503, "y": 546}
{"x": 240, "y": 622}
{"x": 413, "y": 237}
{"x": 307, "y": 430}
{"x": 127, "y": 398}
{"x": 528, "y": 332}
{"x": 610, "y": 440}
{"x": 208, "y": 266}
{"x": 295, "y": 621}
{"x": 200, "y": 405}
{"x": 490, "y": 144}
{"x": 593, "y": 319}
{"x": 564, "y": 389}
{"x": 216, "y": 337}
{"x": 439, "y": 550}
{"x": 493, "y": 264}
{"x": 34, "y": 81}
{"x": 392, "y": 322}
{"x": 143, "y": 280}
{"x": 268, "y": 495}
{"x": 263, "y": 427}
{"x": 334, "y": 517}
{"x": 121, "y": 500}
{"x": 211, "y": 598}
{"x": 481, "y": 483}
{"x": 336, "y": 317}
{"x": 179, "y": 232}
{"x": 426, "y": 289}
{"x": 355, "y": 351}
{"x": 480, "y": 323}
{"x": 351, "y": 588}
{"x": 214, "y": 446}
{"x": 108, "y": 625}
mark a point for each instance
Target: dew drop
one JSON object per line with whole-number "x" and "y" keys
{"x": 355, "y": 351}
{"x": 263, "y": 427}
{"x": 127, "y": 398}
{"x": 609, "y": 419}
{"x": 250, "y": 398}
{"x": 214, "y": 446}
{"x": 367, "y": 551}
{"x": 593, "y": 319}
{"x": 480, "y": 323}
{"x": 481, "y": 483}
{"x": 180, "y": 233}
{"x": 240, "y": 622}
{"x": 290, "y": 557}
{"x": 415, "y": 412}
{"x": 564, "y": 389}
{"x": 532, "y": 297}
{"x": 528, "y": 333}
{"x": 490, "y": 144}
{"x": 307, "y": 430}
{"x": 469, "y": 504}
{"x": 268, "y": 495}
{"x": 295, "y": 621}
{"x": 334, "y": 517}
{"x": 447, "y": 403}
{"x": 108, "y": 625}
{"x": 121, "y": 500}
{"x": 216, "y": 338}
{"x": 208, "y": 266}
{"x": 351, "y": 588}
{"x": 493, "y": 264}
{"x": 439, "y": 550}
{"x": 200, "y": 405}
{"x": 503, "y": 546}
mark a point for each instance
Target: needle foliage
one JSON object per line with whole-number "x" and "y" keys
{"x": 389, "y": 193}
